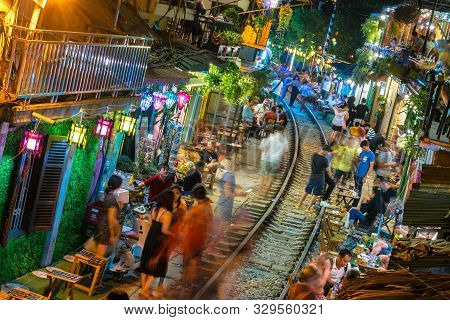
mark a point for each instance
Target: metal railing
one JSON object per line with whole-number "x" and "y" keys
{"x": 53, "y": 63}
{"x": 207, "y": 30}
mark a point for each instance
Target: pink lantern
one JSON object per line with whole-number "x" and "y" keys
{"x": 183, "y": 99}
{"x": 159, "y": 101}
{"x": 32, "y": 142}
{"x": 103, "y": 127}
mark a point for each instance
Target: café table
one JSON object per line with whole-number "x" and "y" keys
{"x": 346, "y": 198}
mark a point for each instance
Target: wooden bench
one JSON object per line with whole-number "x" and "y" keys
{"x": 23, "y": 294}
{"x": 54, "y": 275}
{"x": 84, "y": 259}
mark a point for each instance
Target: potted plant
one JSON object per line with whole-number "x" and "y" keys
{"x": 230, "y": 38}
{"x": 259, "y": 23}
{"x": 284, "y": 17}
{"x": 231, "y": 15}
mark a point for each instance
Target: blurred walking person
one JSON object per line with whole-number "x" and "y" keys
{"x": 285, "y": 87}
{"x": 273, "y": 149}
{"x": 179, "y": 213}
{"x": 197, "y": 226}
{"x": 228, "y": 191}
{"x": 109, "y": 229}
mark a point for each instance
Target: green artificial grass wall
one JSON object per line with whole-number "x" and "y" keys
{"x": 24, "y": 254}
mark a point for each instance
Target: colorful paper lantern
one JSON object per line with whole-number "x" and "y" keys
{"x": 171, "y": 99}
{"x": 159, "y": 99}
{"x": 127, "y": 124}
{"x": 77, "y": 135}
{"x": 32, "y": 142}
{"x": 103, "y": 127}
{"x": 147, "y": 101}
{"x": 183, "y": 99}
{"x": 270, "y": 4}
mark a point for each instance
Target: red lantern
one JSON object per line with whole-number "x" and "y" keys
{"x": 103, "y": 127}
{"x": 183, "y": 99}
{"x": 32, "y": 142}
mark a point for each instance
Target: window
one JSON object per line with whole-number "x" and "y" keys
{"x": 36, "y": 190}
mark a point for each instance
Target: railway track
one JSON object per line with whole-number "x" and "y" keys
{"x": 255, "y": 256}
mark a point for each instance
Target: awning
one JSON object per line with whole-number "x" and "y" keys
{"x": 174, "y": 76}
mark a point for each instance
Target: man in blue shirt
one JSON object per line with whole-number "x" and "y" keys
{"x": 285, "y": 87}
{"x": 365, "y": 166}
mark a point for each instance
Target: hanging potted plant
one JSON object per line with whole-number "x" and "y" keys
{"x": 284, "y": 17}
{"x": 259, "y": 23}
{"x": 231, "y": 15}
{"x": 415, "y": 110}
{"x": 406, "y": 14}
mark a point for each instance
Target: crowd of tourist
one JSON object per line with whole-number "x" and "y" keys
{"x": 356, "y": 158}
{"x": 182, "y": 216}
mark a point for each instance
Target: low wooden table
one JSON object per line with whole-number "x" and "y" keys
{"x": 70, "y": 279}
{"x": 345, "y": 197}
{"x": 98, "y": 264}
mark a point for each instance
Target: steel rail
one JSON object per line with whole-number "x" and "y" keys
{"x": 258, "y": 225}
{"x": 313, "y": 234}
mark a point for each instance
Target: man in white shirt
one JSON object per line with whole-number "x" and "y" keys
{"x": 326, "y": 86}
{"x": 340, "y": 266}
{"x": 260, "y": 110}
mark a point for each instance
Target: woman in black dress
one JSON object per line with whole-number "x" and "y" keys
{"x": 155, "y": 255}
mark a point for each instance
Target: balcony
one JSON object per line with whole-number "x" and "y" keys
{"x": 210, "y": 28}
{"x": 48, "y": 64}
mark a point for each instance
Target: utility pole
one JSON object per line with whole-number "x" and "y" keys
{"x": 330, "y": 30}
